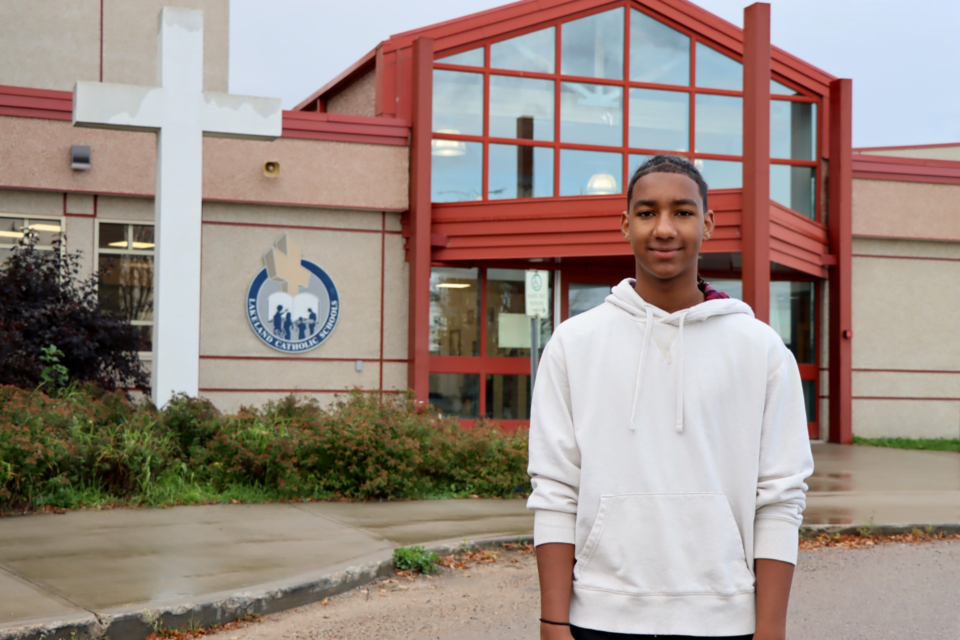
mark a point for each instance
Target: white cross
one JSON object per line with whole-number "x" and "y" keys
{"x": 181, "y": 112}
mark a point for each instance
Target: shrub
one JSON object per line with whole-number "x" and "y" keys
{"x": 45, "y": 302}
{"x": 94, "y": 447}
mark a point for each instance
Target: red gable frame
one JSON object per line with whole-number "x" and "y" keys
{"x": 392, "y": 59}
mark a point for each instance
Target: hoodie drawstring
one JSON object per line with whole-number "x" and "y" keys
{"x": 647, "y": 332}
{"x": 679, "y": 425}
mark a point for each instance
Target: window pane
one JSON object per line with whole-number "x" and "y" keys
{"x": 731, "y": 287}
{"x": 591, "y": 114}
{"x": 471, "y": 58}
{"x": 634, "y": 162}
{"x": 792, "y": 315}
{"x": 113, "y": 236}
{"x": 142, "y": 237}
{"x": 520, "y": 172}
{"x": 508, "y": 327}
{"x": 521, "y": 108}
{"x": 794, "y": 187}
{"x": 11, "y": 231}
{"x": 810, "y": 399}
{"x": 780, "y": 89}
{"x": 721, "y": 174}
{"x": 126, "y": 285}
{"x": 587, "y": 173}
{"x": 146, "y": 338}
{"x": 530, "y": 52}
{"x": 719, "y": 125}
{"x": 793, "y": 130}
{"x": 455, "y": 394}
{"x": 457, "y": 171}
{"x": 47, "y": 231}
{"x": 717, "y": 71}
{"x": 508, "y": 397}
{"x": 659, "y": 119}
{"x": 593, "y": 46}
{"x": 657, "y": 53}
{"x": 583, "y": 297}
{"x": 454, "y": 307}
{"x": 458, "y": 102}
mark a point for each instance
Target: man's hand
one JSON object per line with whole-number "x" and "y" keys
{"x": 773, "y": 592}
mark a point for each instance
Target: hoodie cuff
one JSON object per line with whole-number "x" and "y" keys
{"x": 776, "y": 539}
{"x": 554, "y": 526}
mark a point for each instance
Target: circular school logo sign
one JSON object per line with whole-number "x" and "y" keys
{"x": 292, "y": 304}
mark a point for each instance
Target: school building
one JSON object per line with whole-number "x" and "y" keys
{"x": 382, "y": 241}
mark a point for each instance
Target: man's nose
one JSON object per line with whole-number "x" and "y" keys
{"x": 665, "y": 227}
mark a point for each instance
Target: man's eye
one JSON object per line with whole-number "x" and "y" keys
{"x": 684, "y": 212}
{"x": 644, "y": 214}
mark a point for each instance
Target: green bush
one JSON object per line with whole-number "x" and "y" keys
{"x": 89, "y": 448}
{"x": 415, "y": 559}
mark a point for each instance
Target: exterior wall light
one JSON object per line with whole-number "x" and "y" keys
{"x": 80, "y": 157}
{"x": 602, "y": 184}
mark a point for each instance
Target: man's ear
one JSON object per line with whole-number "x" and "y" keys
{"x": 708, "y": 225}
{"x": 625, "y": 225}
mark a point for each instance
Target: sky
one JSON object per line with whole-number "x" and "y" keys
{"x": 903, "y": 57}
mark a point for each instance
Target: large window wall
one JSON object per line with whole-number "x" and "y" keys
{"x": 571, "y": 108}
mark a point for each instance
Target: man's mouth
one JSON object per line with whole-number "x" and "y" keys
{"x": 664, "y": 252}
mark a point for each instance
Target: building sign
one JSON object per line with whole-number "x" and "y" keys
{"x": 537, "y": 294}
{"x": 292, "y": 305}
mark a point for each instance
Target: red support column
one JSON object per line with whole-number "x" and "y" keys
{"x": 840, "y": 227}
{"x": 755, "y": 221}
{"x": 418, "y": 347}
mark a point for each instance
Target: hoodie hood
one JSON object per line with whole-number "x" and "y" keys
{"x": 624, "y": 296}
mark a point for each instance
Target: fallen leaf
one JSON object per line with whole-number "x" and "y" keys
{"x": 325, "y": 602}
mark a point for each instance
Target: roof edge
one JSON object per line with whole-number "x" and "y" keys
{"x": 350, "y": 74}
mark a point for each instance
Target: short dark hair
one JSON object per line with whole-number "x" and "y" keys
{"x": 669, "y": 164}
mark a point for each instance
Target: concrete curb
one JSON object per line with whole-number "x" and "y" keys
{"x": 136, "y": 623}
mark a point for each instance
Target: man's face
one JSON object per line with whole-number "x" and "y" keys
{"x": 666, "y": 225}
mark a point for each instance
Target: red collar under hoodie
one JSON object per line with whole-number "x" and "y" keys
{"x": 671, "y": 450}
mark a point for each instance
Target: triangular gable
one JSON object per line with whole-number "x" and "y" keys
{"x": 466, "y": 32}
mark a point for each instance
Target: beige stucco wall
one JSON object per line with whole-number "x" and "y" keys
{"x": 50, "y": 44}
{"x": 905, "y": 320}
{"x": 906, "y": 209}
{"x": 36, "y": 155}
{"x": 359, "y": 99}
{"x": 929, "y": 153}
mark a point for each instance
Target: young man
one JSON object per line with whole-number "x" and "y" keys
{"x": 668, "y": 446}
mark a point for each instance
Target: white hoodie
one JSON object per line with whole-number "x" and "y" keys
{"x": 671, "y": 450}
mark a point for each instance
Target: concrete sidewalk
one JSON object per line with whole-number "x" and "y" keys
{"x": 113, "y": 571}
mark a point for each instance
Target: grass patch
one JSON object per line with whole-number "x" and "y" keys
{"x": 922, "y": 444}
{"x": 415, "y": 559}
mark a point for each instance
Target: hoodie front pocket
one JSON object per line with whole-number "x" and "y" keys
{"x": 665, "y": 543}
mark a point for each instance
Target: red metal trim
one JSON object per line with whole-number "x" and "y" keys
{"x": 480, "y": 363}
{"x": 957, "y": 372}
{"x": 418, "y": 377}
{"x": 344, "y": 390}
{"x": 296, "y": 359}
{"x": 882, "y": 257}
{"x": 315, "y": 205}
{"x": 938, "y": 145}
{"x": 869, "y": 167}
{"x": 755, "y": 222}
{"x": 904, "y": 398}
{"x": 101, "y": 40}
{"x": 840, "y": 209}
{"x": 293, "y": 226}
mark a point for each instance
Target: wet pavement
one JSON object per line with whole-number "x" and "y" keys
{"x": 85, "y": 562}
